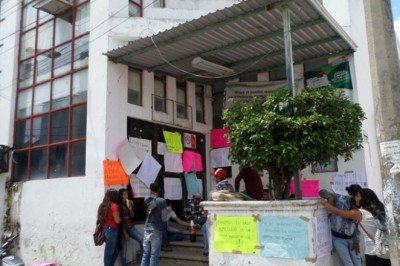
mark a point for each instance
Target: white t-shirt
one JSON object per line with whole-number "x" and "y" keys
{"x": 369, "y": 224}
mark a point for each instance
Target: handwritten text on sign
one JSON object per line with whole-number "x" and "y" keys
{"x": 236, "y": 234}
{"x": 323, "y": 236}
{"x": 284, "y": 237}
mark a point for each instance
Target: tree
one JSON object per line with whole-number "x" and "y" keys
{"x": 283, "y": 134}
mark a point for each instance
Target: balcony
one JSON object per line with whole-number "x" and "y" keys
{"x": 172, "y": 113}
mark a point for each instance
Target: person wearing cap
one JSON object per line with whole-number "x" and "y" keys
{"x": 345, "y": 232}
{"x": 252, "y": 182}
{"x": 221, "y": 181}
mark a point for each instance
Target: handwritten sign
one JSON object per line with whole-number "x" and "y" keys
{"x": 323, "y": 236}
{"x": 173, "y": 141}
{"x": 192, "y": 162}
{"x": 343, "y": 180}
{"x": 143, "y": 146}
{"x": 218, "y": 138}
{"x": 173, "y": 162}
{"x": 284, "y": 237}
{"x": 309, "y": 188}
{"x": 219, "y": 157}
{"x": 172, "y": 188}
{"x": 235, "y": 234}
{"x": 114, "y": 174}
{"x": 139, "y": 188}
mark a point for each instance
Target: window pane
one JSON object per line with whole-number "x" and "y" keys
{"x": 63, "y": 28}
{"x": 62, "y": 59}
{"x": 134, "y": 10}
{"x": 78, "y": 158}
{"x": 60, "y": 93}
{"x": 135, "y": 87}
{"x": 26, "y": 73}
{"x": 158, "y": 3}
{"x": 28, "y": 44}
{"x": 79, "y": 121}
{"x": 43, "y": 66}
{"x": 159, "y": 88}
{"x": 24, "y": 103}
{"x": 20, "y": 166}
{"x": 41, "y": 98}
{"x": 181, "y": 95}
{"x": 82, "y": 20}
{"x": 58, "y": 160}
{"x": 59, "y": 126}
{"x": 22, "y": 134}
{"x": 45, "y": 37}
{"x": 200, "y": 104}
{"x": 29, "y": 19}
{"x": 39, "y": 130}
{"x": 44, "y": 16}
{"x": 79, "y": 86}
{"x": 81, "y": 53}
{"x": 38, "y": 164}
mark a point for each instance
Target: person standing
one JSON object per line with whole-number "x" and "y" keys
{"x": 152, "y": 239}
{"x": 128, "y": 228}
{"x": 108, "y": 215}
{"x": 252, "y": 182}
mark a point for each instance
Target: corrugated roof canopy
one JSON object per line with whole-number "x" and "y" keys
{"x": 247, "y": 37}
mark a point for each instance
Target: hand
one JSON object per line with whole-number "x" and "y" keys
{"x": 356, "y": 247}
{"x": 129, "y": 204}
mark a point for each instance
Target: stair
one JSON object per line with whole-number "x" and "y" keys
{"x": 183, "y": 252}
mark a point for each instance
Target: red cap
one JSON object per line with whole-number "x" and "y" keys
{"x": 219, "y": 173}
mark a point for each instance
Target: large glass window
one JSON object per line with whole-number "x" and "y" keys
{"x": 50, "y": 126}
{"x": 135, "y": 8}
{"x": 135, "y": 87}
{"x": 181, "y": 99}
{"x": 200, "y": 104}
{"x": 160, "y": 94}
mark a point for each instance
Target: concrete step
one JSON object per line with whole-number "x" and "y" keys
{"x": 199, "y": 235}
{"x": 182, "y": 259}
{"x": 182, "y": 247}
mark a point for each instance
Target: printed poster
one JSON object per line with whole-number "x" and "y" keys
{"x": 284, "y": 237}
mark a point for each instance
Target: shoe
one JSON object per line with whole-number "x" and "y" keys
{"x": 166, "y": 248}
{"x": 205, "y": 253}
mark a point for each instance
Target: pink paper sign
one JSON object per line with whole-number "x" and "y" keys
{"x": 218, "y": 138}
{"x": 192, "y": 162}
{"x": 309, "y": 188}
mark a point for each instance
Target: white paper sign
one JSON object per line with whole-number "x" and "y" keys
{"x": 318, "y": 82}
{"x": 161, "y": 148}
{"x": 149, "y": 170}
{"x": 139, "y": 188}
{"x": 173, "y": 162}
{"x": 343, "y": 180}
{"x": 391, "y": 150}
{"x": 323, "y": 236}
{"x": 219, "y": 157}
{"x": 172, "y": 188}
{"x": 143, "y": 146}
{"x": 127, "y": 156}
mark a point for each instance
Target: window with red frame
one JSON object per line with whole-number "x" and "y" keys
{"x": 135, "y": 8}
{"x": 50, "y": 119}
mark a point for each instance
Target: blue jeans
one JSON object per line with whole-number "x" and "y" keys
{"x": 110, "y": 251}
{"x": 205, "y": 237}
{"x": 135, "y": 234}
{"x": 169, "y": 236}
{"x": 151, "y": 247}
{"x": 347, "y": 256}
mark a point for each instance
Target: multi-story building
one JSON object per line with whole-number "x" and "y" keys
{"x": 65, "y": 106}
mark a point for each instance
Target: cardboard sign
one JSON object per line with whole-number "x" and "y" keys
{"x": 114, "y": 174}
{"x": 173, "y": 141}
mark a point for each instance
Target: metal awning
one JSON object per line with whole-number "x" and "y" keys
{"x": 247, "y": 37}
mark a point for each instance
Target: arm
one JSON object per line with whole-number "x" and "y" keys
{"x": 179, "y": 221}
{"x": 238, "y": 178}
{"x": 351, "y": 214}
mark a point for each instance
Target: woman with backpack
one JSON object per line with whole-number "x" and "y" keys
{"x": 128, "y": 228}
{"x": 370, "y": 218}
{"x": 108, "y": 215}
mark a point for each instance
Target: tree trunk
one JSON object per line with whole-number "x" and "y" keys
{"x": 280, "y": 178}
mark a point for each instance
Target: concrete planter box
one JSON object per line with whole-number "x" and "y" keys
{"x": 265, "y": 213}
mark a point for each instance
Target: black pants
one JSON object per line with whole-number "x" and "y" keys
{"x": 373, "y": 260}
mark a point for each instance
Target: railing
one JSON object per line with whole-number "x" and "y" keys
{"x": 171, "y": 112}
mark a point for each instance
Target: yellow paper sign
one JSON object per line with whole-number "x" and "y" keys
{"x": 173, "y": 141}
{"x": 236, "y": 234}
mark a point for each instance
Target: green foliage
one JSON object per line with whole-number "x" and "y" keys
{"x": 289, "y": 133}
